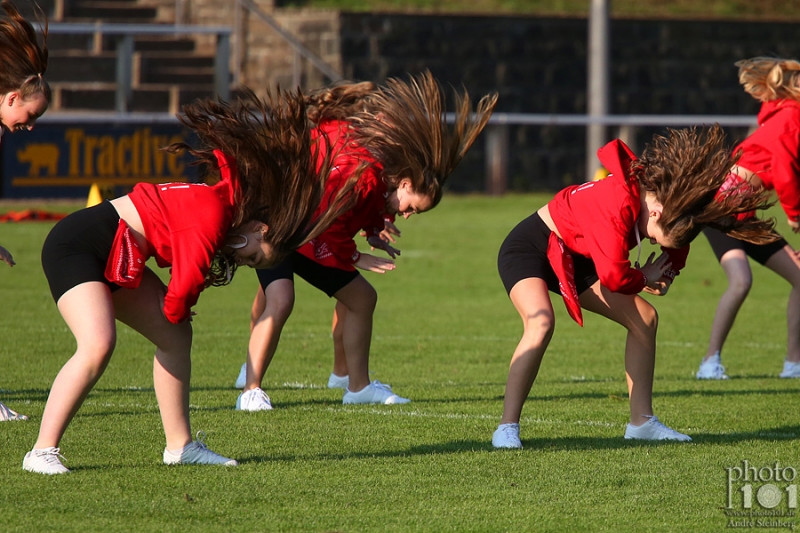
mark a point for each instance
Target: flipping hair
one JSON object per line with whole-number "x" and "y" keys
{"x": 281, "y": 179}
{"x": 685, "y": 171}
{"x": 403, "y": 126}
{"x": 23, "y": 61}
{"x": 767, "y": 78}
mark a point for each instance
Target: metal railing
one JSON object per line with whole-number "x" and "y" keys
{"x": 125, "y": 34}
{"x": 496, "y": 134}
{"x": 300, "y": 50}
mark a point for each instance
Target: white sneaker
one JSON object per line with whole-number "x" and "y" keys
{"x": 507, "y": 436}
{"x": 338, "y": 382}
{"x": 241, "y": 381}
{"x": 8, "y": 414}
{"x": 711, "y": 368}
{"x": 790, "y": 370}
{"x": 654, "y": 430}
{"x": 375, "y": 392}
{"x": 44, "y": 461}
{"x": 253, "y": 400}
{"x": 196, "y": 453}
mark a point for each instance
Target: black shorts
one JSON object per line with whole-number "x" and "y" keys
{"x": 524, "y": 255}
{"x": 327, "y": 279}
{"x": 76, "y": 250}
{"x": 722, "y": 243}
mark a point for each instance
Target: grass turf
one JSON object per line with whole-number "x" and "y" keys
{"x": 444, "y": 334}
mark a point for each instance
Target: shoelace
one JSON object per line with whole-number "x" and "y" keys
{"x": 661, "y": 427}
{"x": 200, "y": 439}
{"x": 51, "y": 456}
{"x": 509, "y": 431}
{"x": 378, "y": 385}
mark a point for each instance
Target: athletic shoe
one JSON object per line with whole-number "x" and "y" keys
{"x": 253, "y": 400}
{"x": 654, "y": 430}
{"x": 338, "y": 382}
{"x": 507, "y": 436}
{"x": 196, "y": 453}
{"x": 711, "y": 368}
{"x": 8, "y": 414}
{"x": 790, "y": 370}
{"x": 44, "y": 461}
{"x": 241, "y": 381}
{"x": 375, "y": 392}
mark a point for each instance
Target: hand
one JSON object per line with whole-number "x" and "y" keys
{"x": 388, "y": 233}
{"x": 5, "y": 256}
{"x": 378, "y": 243}
{"x": 654, "y": 270}
{"x": 389, "y": 230}
{"x": 795, "y": 225}
{"x": 661, "y": 288}
{"x": 374, "y": 264}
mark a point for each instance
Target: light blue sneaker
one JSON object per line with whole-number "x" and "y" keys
{"x": 507, "y": 436}
{"x": 196, "y": 453}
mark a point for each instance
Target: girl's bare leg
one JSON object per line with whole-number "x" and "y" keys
{"x": 141, "y": 309}
{"x": 359, "y": 298}
{"x": 278, "y": 302}
{"x": 787, "y": 265}
{"x": 89, "y": 313}
{"x": 532, "y": 301}
{"x": 740, "y": 278}
{"x": 337, "y": 332}
{"x": 641, "y": 320}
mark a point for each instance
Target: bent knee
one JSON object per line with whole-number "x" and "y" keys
{"x": 365, "y": 302}
{"x": 539, "y": 327}
{"x": 740, "y": 285}
{"x": 648, "y": 317}
{"x": 97, "y": 352}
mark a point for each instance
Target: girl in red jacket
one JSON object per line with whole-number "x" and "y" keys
{"x": 24, "y": 94}
{"x": 578, "y": 245}
{"x": 395, "y": 138}
{"x": 770, "y": 159}
{"x": 261, "y": 208}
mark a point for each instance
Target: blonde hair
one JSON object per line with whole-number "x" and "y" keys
{"x": 685, "y": 171}
{"x": 768, "y": 78}
{"x": 403, "y": 126}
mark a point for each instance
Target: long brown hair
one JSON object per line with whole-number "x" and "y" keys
{"x": 403, "y": 125}
{"x": 23, "y": 61}
{"x": 770, "y": 78}
{"x": 281, "y": 178}
{"x": 685, "y": 171}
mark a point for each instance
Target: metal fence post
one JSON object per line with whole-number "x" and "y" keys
{"x": 124, "y": 72}
{"x": 597, "y": 83}
{"x": 222, "y": 83}
{"x": 496, "y": 159}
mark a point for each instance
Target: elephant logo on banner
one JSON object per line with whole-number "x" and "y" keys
{"x": 40, "y": 156}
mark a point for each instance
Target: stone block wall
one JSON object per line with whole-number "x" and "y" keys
{"x": 538, "y": 65}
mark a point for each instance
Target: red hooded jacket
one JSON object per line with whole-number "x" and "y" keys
{"x": 772, "y": 151}
{"x": 597, "y": 220}
{"x": 185, "y": 224}
{"x": 336, "y": 246}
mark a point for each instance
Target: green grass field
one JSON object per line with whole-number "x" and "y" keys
{"x": 444, "y": 334}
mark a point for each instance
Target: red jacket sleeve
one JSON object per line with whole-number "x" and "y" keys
{"x": 607, "y": 241}
{"x": 786, "y": 170}
{"x": 192, "y": 253}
